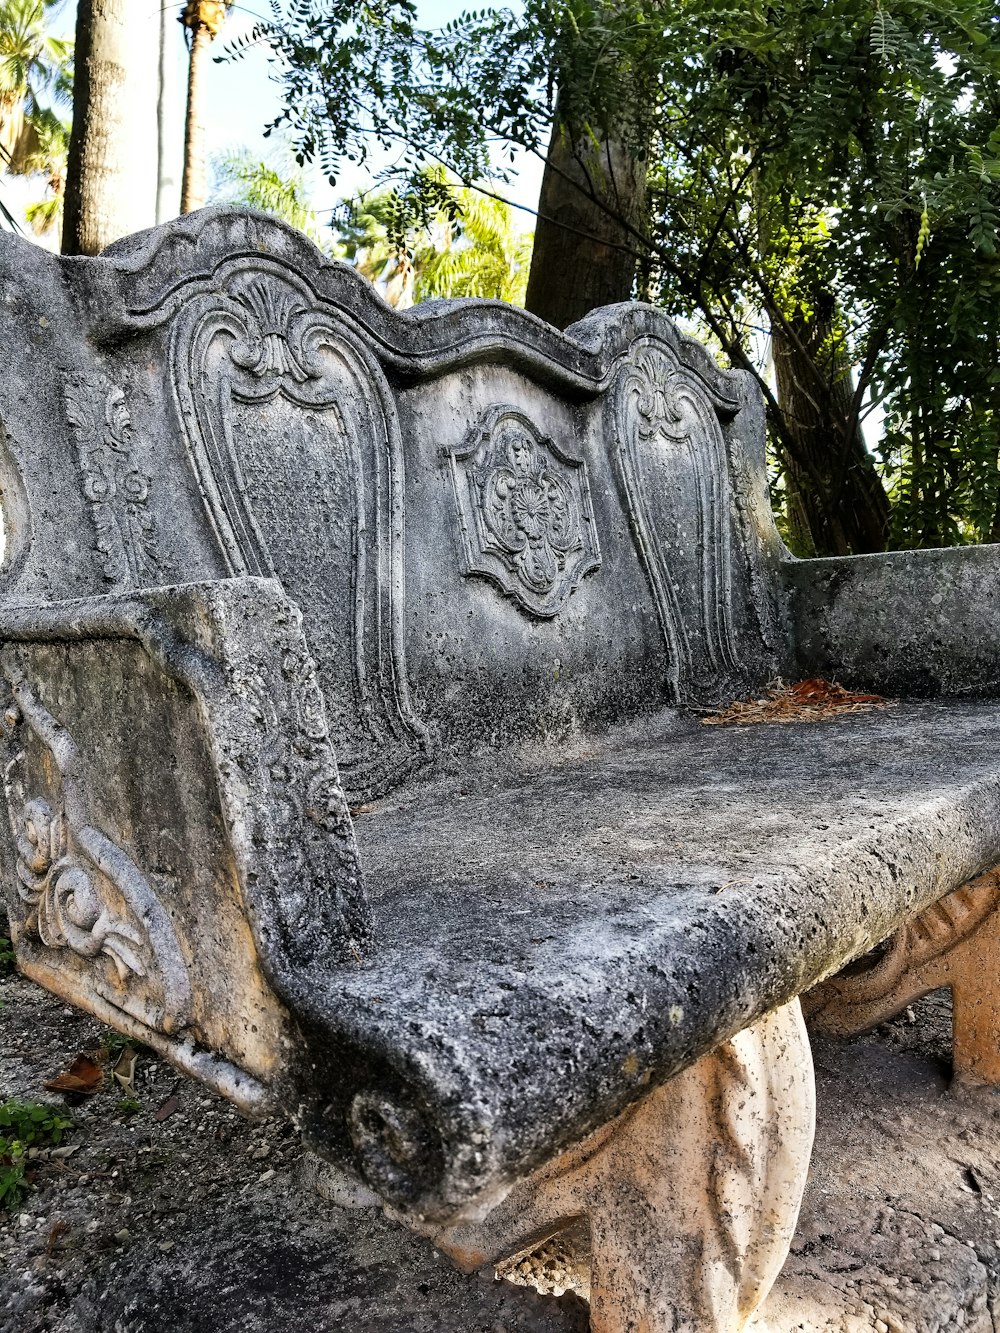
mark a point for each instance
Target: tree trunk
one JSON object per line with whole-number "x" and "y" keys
{"x": 836, "y": 503}
{"x": 584, "y": 252}
{"x": 193, "y": 190}
{"x": 168, "y": 148}
{"x": 106, "y": 179}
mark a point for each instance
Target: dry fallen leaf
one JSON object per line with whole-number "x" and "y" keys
{"x": 813, "y": 700}
{"x": 84, "y": 1076}
{"x": 168, "y": 1108}
{"x": 124, "y": 1071}
{"x": 56, "y": 1239}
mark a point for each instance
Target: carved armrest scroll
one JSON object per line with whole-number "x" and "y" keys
{"x": 178, "y": 847}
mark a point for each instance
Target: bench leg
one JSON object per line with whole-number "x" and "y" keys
{"x": 691, "y": 1196}
{"x": 954, "y": 943}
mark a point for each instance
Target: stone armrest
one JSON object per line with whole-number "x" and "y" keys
{"x": 178, "y": 839}
{"x": 901, "y": 622}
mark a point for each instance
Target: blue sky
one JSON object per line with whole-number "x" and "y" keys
{"x": 242, "y": 97}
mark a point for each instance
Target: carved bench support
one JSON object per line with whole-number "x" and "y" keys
{"x": 954, "y": 943}
{"x": 691, "y": 1196}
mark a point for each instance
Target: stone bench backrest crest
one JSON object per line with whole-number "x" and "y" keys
{"x": 494, "y": 533}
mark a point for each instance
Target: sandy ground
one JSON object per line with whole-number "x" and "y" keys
{"x": 181, "y": 1215}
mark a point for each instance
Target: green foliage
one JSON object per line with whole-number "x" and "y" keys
{"x": 35, "y": 67}
{"x": 277, "y": 187}
{"x": 8, "y": 959}
{"x": 826, "y": 171}
{"x": 115, "y": 1042}
{"x": 36, "y": 85}
{"x": 24, "y": 1125}
{"x": 436, "y": 239}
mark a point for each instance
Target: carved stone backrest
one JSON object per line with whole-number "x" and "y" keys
{"x": 494, "y": 532}
{"x": 292, "y": 434}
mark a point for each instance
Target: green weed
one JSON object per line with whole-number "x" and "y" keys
{"x": 24, "y": 1125}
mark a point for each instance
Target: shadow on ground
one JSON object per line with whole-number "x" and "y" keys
{"x": 182, "y": 1217}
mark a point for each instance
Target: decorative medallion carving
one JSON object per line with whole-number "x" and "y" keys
{"x": 672, "y": 458}
{"x": 526, "y": 517}
{"x": 79, "y": 890}
{"x": 116, "y": 491}
{"x": 292, "y": 435}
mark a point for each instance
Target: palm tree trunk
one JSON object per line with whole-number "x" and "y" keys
{"x": 105, "y": 194}
{"x": 168, "y": 155}
{"x": 193, "y": 190}
{"x": 584, "y": 253}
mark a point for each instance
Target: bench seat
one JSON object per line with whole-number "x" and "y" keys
{"x": 559, "y": 929}
{"x": 354, "y": 759}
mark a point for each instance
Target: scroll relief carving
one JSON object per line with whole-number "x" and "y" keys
{"x": 673, "y": 462}
{"x": 114, "y": 488}
{"x": 923, "y": 954}
{"x": 292, "y": 435}
{"x": 81, "y": 892}
{"x": 526, "y": 517}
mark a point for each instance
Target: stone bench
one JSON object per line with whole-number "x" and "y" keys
{"x": 356, "y": 665}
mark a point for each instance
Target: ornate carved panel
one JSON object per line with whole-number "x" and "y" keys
{"x": 526, "y": 517}
{"x": 292, "y": 434}
{"x": 116, "y": 491}
{"x": 672, "y": 459}
{"x": 77, "y": 889}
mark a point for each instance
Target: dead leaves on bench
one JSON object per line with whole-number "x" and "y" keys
{"x": 813, "y": 700}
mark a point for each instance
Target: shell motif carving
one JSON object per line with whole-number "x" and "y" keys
{"x": 526, "y": 517}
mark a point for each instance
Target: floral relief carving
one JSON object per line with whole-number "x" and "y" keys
{"x": 115, "y": 489}
{"x": 303, "y": 816}
{"x": 527, "y": 522}
{"x": 79, "y": 890}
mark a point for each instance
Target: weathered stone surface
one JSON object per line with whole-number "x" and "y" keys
{"x": 515, "y": 553}
{"x": 495, "y": 535}
{"x": 905, "y": 622}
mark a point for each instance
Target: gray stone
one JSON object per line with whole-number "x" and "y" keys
{"x": 277, "y": 554}
{"x": 906, "y": 622}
